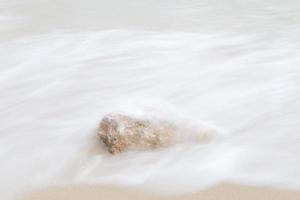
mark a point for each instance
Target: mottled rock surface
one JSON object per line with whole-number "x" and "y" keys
{"x": 120, "y": 132}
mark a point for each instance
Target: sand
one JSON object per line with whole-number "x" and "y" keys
{"x": 220, "y": 192}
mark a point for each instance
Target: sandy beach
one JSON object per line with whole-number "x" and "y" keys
{"x": 220, "y": 192}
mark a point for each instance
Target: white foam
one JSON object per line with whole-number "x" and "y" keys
{"x": 235, "y": 71}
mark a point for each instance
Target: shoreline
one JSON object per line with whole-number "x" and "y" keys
{"x": 225, "y": 191}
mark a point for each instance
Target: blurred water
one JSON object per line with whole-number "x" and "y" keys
{"x": 230, "y": 64}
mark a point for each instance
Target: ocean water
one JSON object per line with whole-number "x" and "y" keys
{"x": 228, "y": 68}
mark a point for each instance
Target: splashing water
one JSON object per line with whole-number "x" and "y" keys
{"x": 228, "y": 68}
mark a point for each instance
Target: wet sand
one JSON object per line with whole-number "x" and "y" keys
{"x": 220, "y": 192}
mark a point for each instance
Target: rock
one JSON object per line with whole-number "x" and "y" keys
{"x": 120, "y": 132}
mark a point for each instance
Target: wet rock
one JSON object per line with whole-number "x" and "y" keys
{"x": 120, "y": 132}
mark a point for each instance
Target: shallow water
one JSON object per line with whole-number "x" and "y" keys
{"x": 231, "y": 65}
